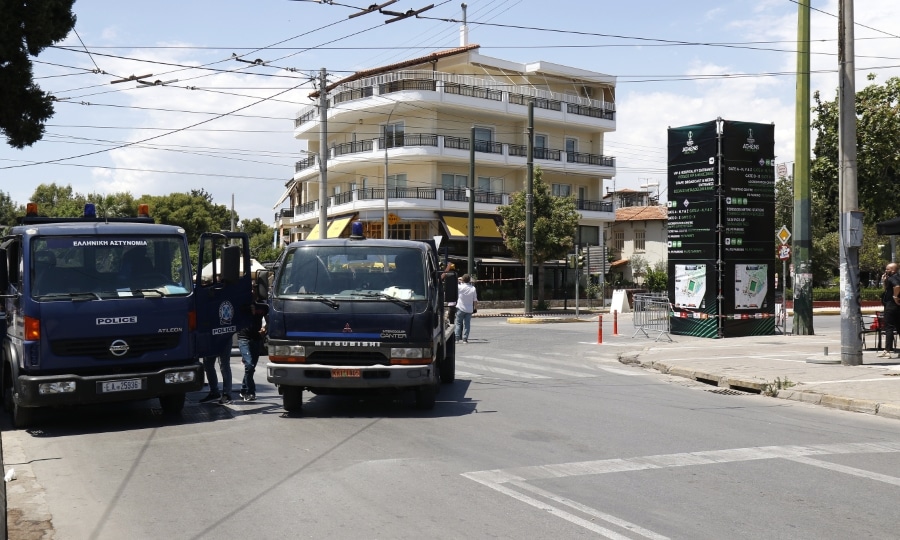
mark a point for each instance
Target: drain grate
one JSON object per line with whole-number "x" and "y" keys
{"x": 727, "y": 392}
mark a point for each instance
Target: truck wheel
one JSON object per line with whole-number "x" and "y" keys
{"x": 22, "y": 417}
{"x": 171, "y": 403}
{"x": 425, "y": 397}
{"x": 448, "y": 363}
{"x": 292, "y": 398}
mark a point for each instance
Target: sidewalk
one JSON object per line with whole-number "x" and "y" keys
{"x": 783, "y": 366}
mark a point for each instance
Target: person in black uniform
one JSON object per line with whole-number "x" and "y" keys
{"x": 891, "y": 300}
{"x": 250, "y": 341}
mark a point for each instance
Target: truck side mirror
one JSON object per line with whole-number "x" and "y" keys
{"x": 232, "y": 256}
{"x": 261, "y": 286}
{"x": 451, "y": 287}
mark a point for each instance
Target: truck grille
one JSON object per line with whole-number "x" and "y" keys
{"x": 99, "y": 347}
{"x": 345, "y": 358}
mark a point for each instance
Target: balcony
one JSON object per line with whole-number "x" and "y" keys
{"x": 466, "y": 86}
{"x": 555, "y": 159}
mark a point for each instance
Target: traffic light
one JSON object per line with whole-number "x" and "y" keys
{"x": 580, "y": 261}
{"x": 885, "y": 251}
{"x": 570, "y": 260}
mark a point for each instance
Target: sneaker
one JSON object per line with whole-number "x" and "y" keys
{"x": 244, "y": 395}
{"x": 465, "y": 341}
{"x": 884, "y": 354}
{"x": 251, "y": 397}
{"x": 210, "y": 397}
{"x": 225, "y": 400}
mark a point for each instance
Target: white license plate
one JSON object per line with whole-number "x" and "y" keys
{"x": 125, "y": 385}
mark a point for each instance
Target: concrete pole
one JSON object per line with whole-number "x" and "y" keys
{"x": 851, "y": 219}
{"x": 803, "y": 319}
{"x": 529, "y": 217}
{"x": 323, "y": 156}
{"x": 471, "y": 239}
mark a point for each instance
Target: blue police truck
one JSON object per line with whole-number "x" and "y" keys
{"x": 356, "y": 315}
{"x": 108, "y": 309}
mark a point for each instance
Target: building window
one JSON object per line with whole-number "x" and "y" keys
{"x": 571, "y": 145}
{"x": 540, "y": 141}
{"x": 454, "y": 181}
{"x": 561, "y": 190}
{"x": 396, "y": 181}
{"x": 619, "y": 240}
{"x": 640, "y": 240}
{"x": 393, "y": 134}
{"x": 484, "y": 136}
{"x": 490, "y": 183}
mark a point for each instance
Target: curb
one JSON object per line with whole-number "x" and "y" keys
{"x": 760, "y": 386}
{"x": 542, "y": 320}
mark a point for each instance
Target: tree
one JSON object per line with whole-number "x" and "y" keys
{"x": 555, "y": 222}
{"x": 26, "y": 29}
{"x": 9, "y": 210}
{"x": 194, "y": 211}
{"x": 58, "y": 201}
{"x": 878, "y": 164}
{"x": 260, "y": 239}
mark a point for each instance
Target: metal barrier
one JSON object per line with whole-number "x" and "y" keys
{"x": 651, "y": 314}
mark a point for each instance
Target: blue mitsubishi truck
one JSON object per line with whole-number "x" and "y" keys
{"x": 108, "y": 309}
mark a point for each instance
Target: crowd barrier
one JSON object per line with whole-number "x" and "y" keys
{"x": 651, "y": 315}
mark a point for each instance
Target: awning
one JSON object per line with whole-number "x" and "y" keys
{"x": 335, "y": 227}
{"x": 620, "y": 262}
{"x": 457, "y": 226}
{"x": 284, "y": 195}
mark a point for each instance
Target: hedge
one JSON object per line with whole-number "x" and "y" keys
{"x": 833, "y": 294}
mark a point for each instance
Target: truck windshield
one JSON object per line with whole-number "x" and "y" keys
{"x": 95, "y": 267}
{"x": 364, "y": 272}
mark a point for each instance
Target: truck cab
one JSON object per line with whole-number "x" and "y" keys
{"x": 98, "y": 310}
{"x": 359, "y": 315}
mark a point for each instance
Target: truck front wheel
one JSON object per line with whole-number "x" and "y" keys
{"x": 292, "y": 396}
{"x": 448, "y": 363}
{"x": 425, "y": 396}
{"x": 22, "y": 417}
{"x": 171, "y": 404}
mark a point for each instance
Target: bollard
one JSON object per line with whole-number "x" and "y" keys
{"x": 599, "y": 329}
{"x": 615, "y": 322}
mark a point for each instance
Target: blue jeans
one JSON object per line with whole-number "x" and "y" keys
{"x": 463, "y": 324}
{"x": 209, "y": 365}
{"x": 249, "y": 356}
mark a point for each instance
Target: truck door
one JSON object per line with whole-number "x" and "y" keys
{"x": 222, "y": 290}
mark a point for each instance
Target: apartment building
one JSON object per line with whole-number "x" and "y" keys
{"x": 400, "y": 138}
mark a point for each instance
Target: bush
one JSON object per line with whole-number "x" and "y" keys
{"x": 833, "y": 294}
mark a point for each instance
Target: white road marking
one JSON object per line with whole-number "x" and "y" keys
{"x": 535, "y": 366}
{"x": 626, "y": 372}
{"x": 497, "y": 479}
{"x": 893, "y": 378}
{"x": 501, "y": 371}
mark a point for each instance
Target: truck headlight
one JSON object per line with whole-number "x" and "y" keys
{"x": 410, "y": 356}
{"x": 179, "y": 377}
{"x": 59, "y": 387}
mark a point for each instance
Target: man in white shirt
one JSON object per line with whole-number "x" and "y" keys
{"x": 466, "y": 305}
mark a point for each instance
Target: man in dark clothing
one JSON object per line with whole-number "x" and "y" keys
{"x": 250, "y": 341}
{"x": 891, "y": 301}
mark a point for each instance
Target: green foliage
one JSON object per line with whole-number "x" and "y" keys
{"x": 833, "y": 294}
{"x": 194, "y": 211}
{"x": 555, "y": 221}
{"x": 9, "y": 210}
{"x": 27, "y": 28}
{"x": 773, "y": 387}
{"x": 657, "y": 278}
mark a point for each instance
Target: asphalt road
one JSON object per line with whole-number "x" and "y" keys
{"x": 544, "y": 435}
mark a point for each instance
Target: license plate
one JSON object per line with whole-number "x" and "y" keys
{"x": 345, "y": 373}
{"x": 126, "y": 385}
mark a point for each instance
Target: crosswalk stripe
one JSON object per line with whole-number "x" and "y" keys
{"x": 501, "y": 371}
{"x": 557, "y": 371}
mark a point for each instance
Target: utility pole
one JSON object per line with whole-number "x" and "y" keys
{"x": 851, "y": 217}
{"x": 529, "y": 217}
{"x": 323, "y": 157}
{"x": 803, "y": 319}
{"x": 471, "y": 193}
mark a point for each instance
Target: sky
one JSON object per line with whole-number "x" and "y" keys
{"x": 225, "y": 125}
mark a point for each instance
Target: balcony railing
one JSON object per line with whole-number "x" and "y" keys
{"x": 352, "y": 148}
{"x": 409, "y": 139}
{"x": 463, "y": 85}
{"x": 539, "y": 153}
{"x": 304, "y": 164}
{"x": 481, "y": 196}
{"x": 407, "y": 84}
{"x": 397, "y": 193}
{"x": 473, "y": 91}
{"x": 590, "y": 159}
{"x": 593, "y": 206}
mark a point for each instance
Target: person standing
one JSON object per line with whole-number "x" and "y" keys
{"x": 451, "y": 306}
{"x": 466, "y": 305}
{"x": 250, "y": 341}
{"x": 209, "y": 365}
{"x": 891, "y": 300}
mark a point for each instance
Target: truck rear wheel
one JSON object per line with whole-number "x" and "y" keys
{"x": 448, "y": 363}
{"x": 292, "y": 398}
{"x": 425, "y": 396}
{"x": 171, "y": 403}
